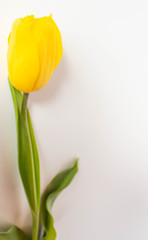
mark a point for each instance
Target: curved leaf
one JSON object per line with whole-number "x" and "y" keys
{"x": 60, "y": 182}
{"x": 28, "y": 158}
{"x": 13, "y": 233}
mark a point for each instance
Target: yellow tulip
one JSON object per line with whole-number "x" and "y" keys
{"x": 34, "y": 51}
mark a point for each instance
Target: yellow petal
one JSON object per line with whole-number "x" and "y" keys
{"x": 48, "y": 39}
{"x": 58, "y": 39}
{"x": 23, "y": 58}
{"x": 29, "y": 21}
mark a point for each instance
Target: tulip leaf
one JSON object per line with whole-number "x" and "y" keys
{"x": 60, "y": 182}
{"x": 13, "y": 233}
{"x": 28, "y": 159}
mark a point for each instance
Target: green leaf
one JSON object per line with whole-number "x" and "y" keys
{"x": 13, "y": 233}
{"x": 28, "y": 159}
{"x": 61, "y": 181}
{"x": 35, "y": 158}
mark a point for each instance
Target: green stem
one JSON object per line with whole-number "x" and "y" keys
{"x": 35, "y": 226}
{"x": 24, "y": 102}
{"x": 35, "y": 215}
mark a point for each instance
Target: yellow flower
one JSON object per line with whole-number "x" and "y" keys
{"x": 34, "y": 51}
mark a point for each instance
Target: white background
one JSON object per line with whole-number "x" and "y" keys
{"x": 94, "y": 107}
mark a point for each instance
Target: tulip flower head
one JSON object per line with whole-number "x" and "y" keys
{"x": 34, "y": 51}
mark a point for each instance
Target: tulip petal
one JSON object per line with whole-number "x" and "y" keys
{"x": 23, "y": 58}
{"x": 49, "y": 42}
{"x": 29, "y": 21}
{"x": 59, "y": 46}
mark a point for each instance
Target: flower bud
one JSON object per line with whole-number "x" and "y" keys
{"x": 34, "y": 51}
